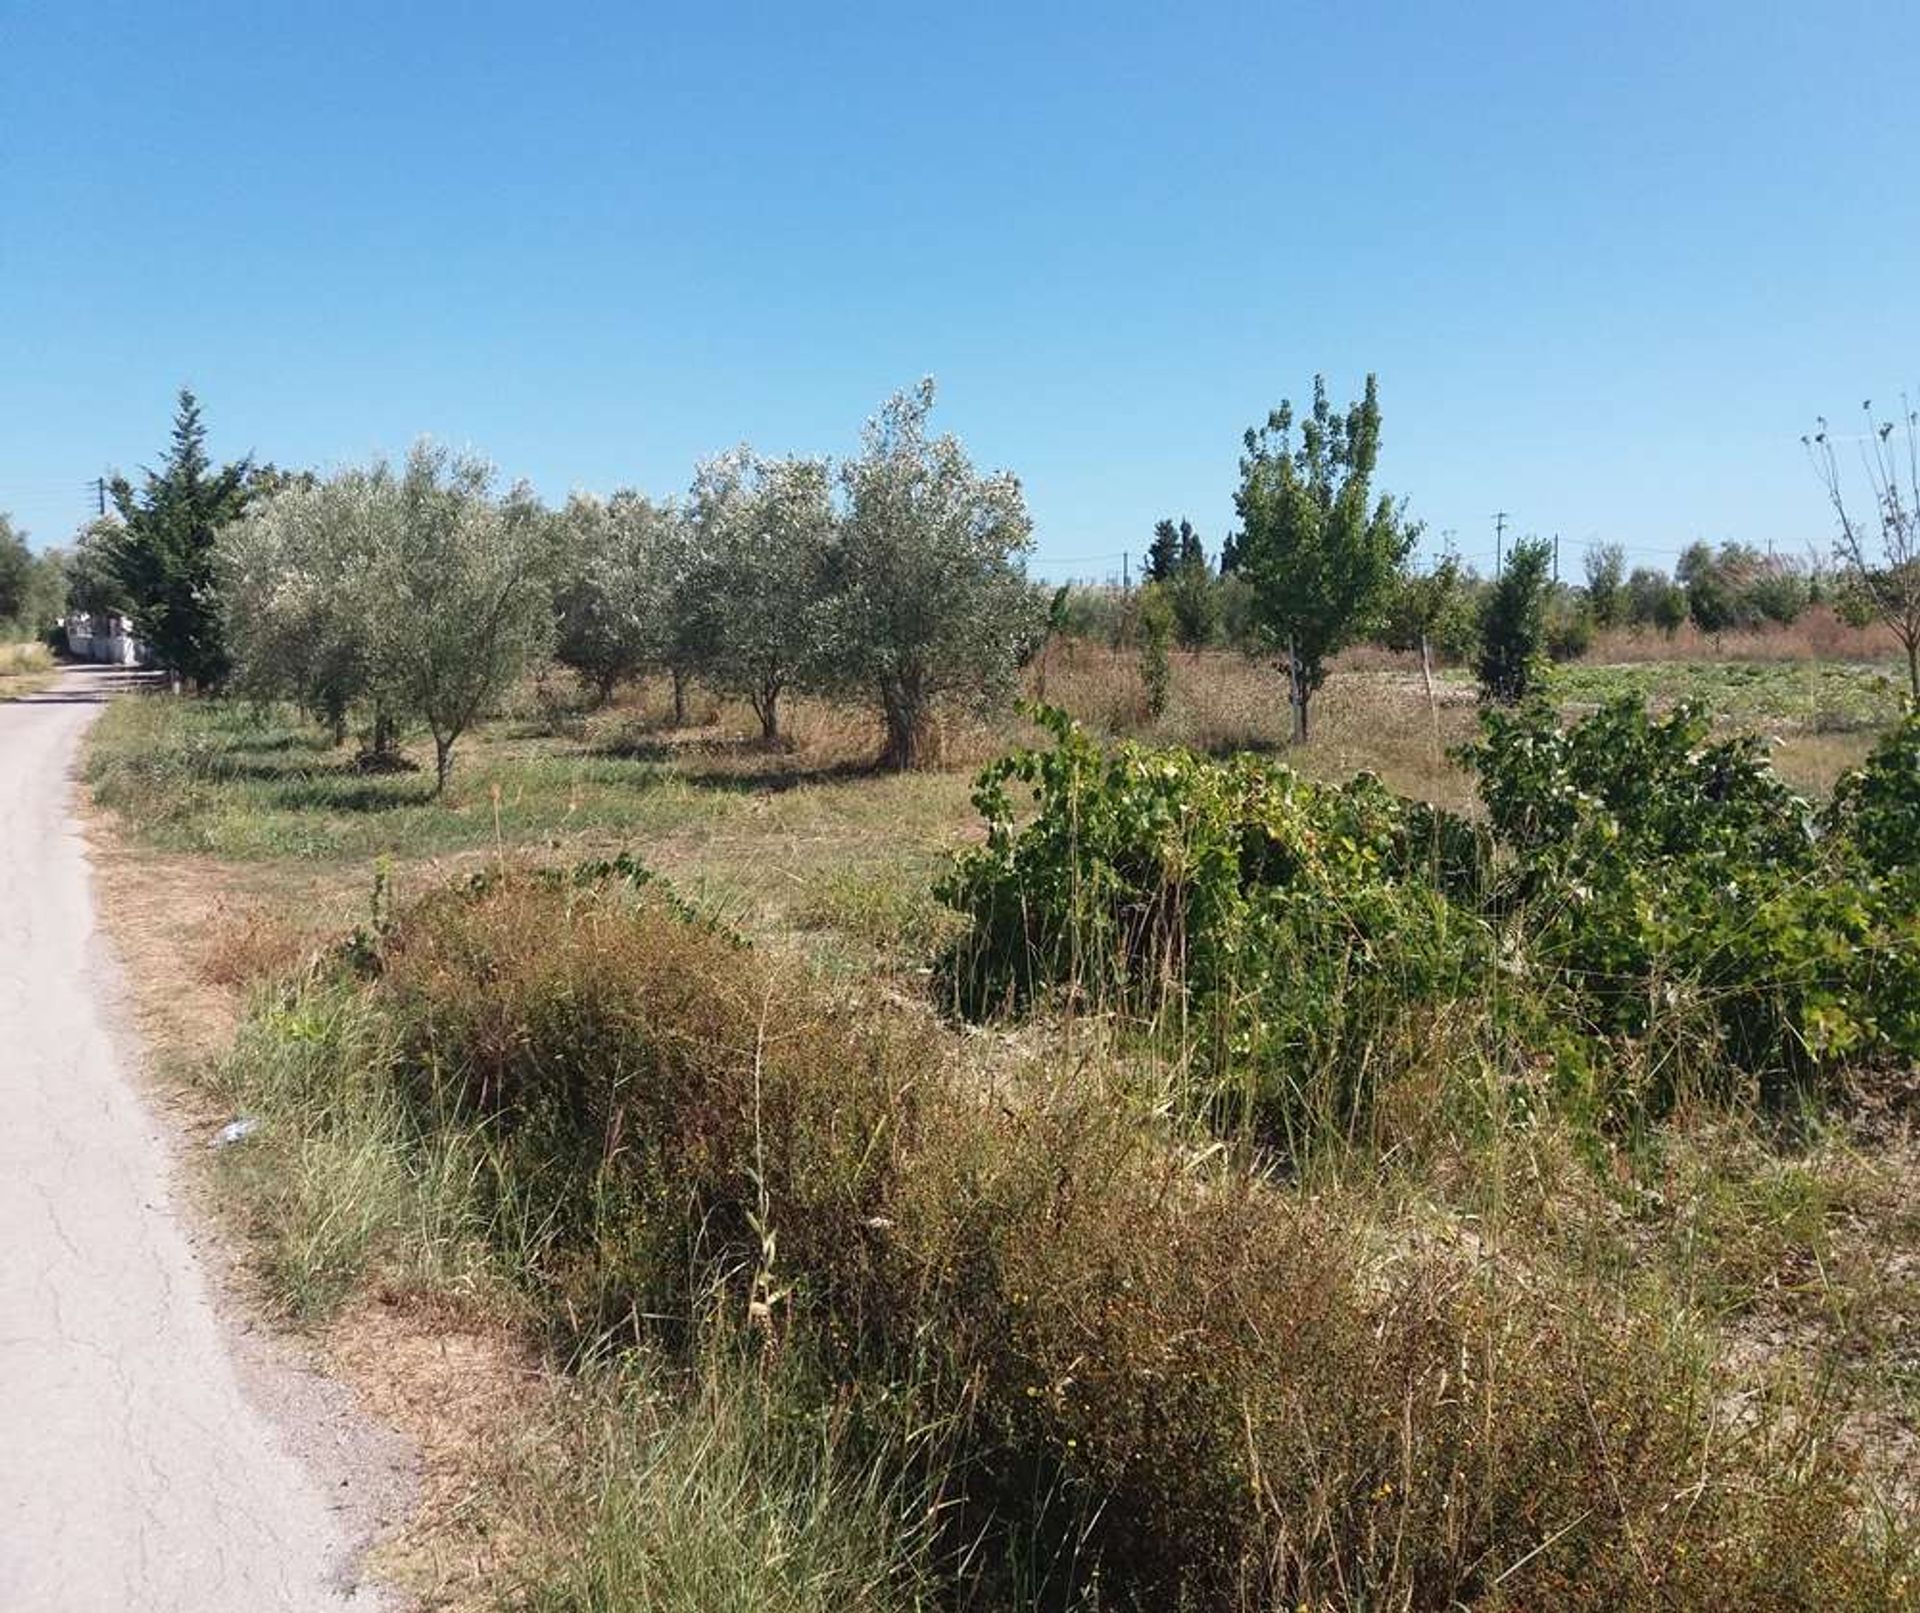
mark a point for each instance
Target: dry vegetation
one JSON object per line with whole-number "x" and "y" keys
{"x": 24, "y": 669}
{"x": 723, "y": 1275}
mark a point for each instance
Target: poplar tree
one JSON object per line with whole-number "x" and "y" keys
{"x": 1320, "y": 553}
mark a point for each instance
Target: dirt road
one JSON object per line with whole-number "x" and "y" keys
{"x": 151, "y": 1458}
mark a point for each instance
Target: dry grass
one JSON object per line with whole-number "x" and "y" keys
{"x": 25, "y": 669}
{"x": 1818, "y": 635}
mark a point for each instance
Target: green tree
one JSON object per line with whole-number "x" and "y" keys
{"x": 928, "y": 595}
{"x": 1419, "y": 614}
{"x": 416, "y": 595}
{"x": 16, "y": 575}
{"x": 1193, "y": 595}
{"x": 295, "y": 578}
{"x": 611, "y": 606}
{"x": 461, "y": 591}
{"x": 1513, "y": 623}
{"x": 1320, "y": 553}
{"x": 94, "y": 587}
{"x": 1655, "y": 600}
{"x": 163, "y": 551}
{"x": 1156, "y": 635}
{"x": 762, "y": 531}
{"x": 1606, "y": 584}
{"x": 1174, "y": 545}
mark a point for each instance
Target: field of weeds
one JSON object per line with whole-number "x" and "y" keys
{"x": 635, "y": 1059}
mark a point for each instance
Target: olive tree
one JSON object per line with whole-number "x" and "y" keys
{"x": 1879, "y": 550}
{"x": 293, "y": 575}
{"x": 761, "y": 531}
{"x": 460, "y": 592}
{"x": 611, "y": 606}
{"x": 928, "y": 601}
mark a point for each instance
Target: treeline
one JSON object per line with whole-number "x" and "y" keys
{"x": 1734, "y": 588}
{"x": 408, "y": 598}
{"x": 394, "y": 599}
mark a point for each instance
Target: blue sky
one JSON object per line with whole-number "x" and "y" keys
{"x": 1607, "y": 261}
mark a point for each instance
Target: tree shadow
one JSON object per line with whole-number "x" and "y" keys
{"x": 747, "y": 765}
{"x": 364, "y": 795}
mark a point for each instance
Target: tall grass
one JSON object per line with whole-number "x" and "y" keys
{"x": 1028, "y": 1327}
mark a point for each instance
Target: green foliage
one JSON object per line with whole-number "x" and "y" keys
{"x": 1739, "y": 587}
{"x": 1235, "y": 896}
{"x": 1174, "y": 547}
{"x": 1570, "y": 625}
{"x": 1607, "y": 597}
{"x": 1513, "y": 623}
{"x": 1668, "y": 877}
{"x": 1156, "y": 636}
{"x": 1318, "y": 551}
{"x": 418, "y": 592}
{"x": 1655, "y": 891}
{"x": 1194, "y": 595}
{"x": 1433, "y": 611}
{"x": 33, "y": 587}
{"x": 164, "y": 550}
{"x": 761, "y": 532}
{"x": 928, "y": 597}
{"x": 93, "y": 587}
{"x": 1655, "y": 601}
{"x": 618, "y": 562}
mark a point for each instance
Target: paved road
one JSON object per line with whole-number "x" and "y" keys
{"x": 138, "y": 1470}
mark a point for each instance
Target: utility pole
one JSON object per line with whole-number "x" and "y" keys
{"x": 1126, "y": 572}
{"x": 100, "y": 495}
{"x": 1499, "y": 536}
{"x": 1556, "y": 560}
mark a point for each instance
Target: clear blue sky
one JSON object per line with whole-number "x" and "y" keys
{"x": 1607, "y": 261}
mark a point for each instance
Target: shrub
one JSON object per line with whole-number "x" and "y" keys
{"x": 1513, "y": 624}
{"x": 1236, "y": 900}
{"x": 1657, "y": 890}
{"x": 1156, "y": 636}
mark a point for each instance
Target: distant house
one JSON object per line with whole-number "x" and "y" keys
{"x": 104, "y": 638}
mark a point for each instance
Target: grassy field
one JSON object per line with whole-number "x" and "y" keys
{"x": 902, "y": 1312}
{"x": 24, "y": 669}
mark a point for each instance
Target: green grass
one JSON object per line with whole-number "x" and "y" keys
{"x": 763, "y": 836}
{"x": 1766, "y": 696}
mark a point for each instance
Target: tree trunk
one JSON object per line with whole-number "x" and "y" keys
{"x": 442, "y": 763}
{"x": 1913, "y": 666}
{"x": 382, "y": 732}
{"x": 1426, "y": 677}
{"x": 679, "y": 697}
{"x": 906, "y": 729}
{"x": 1297, "y": 692}
{"x": 766, "y": 706}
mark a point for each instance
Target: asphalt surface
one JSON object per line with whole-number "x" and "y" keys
{"x": 150, "y": 1458}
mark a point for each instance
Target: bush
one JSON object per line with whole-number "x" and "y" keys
{"x": 1656, "y": 891}
{"x": 1513, "y": 624}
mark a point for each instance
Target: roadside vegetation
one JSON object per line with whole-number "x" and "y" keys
{"x": 24, "y": 669}
{"x": 1112, "y": 1155}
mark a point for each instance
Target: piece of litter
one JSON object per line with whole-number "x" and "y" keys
{"x": 236, "y": 1131}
